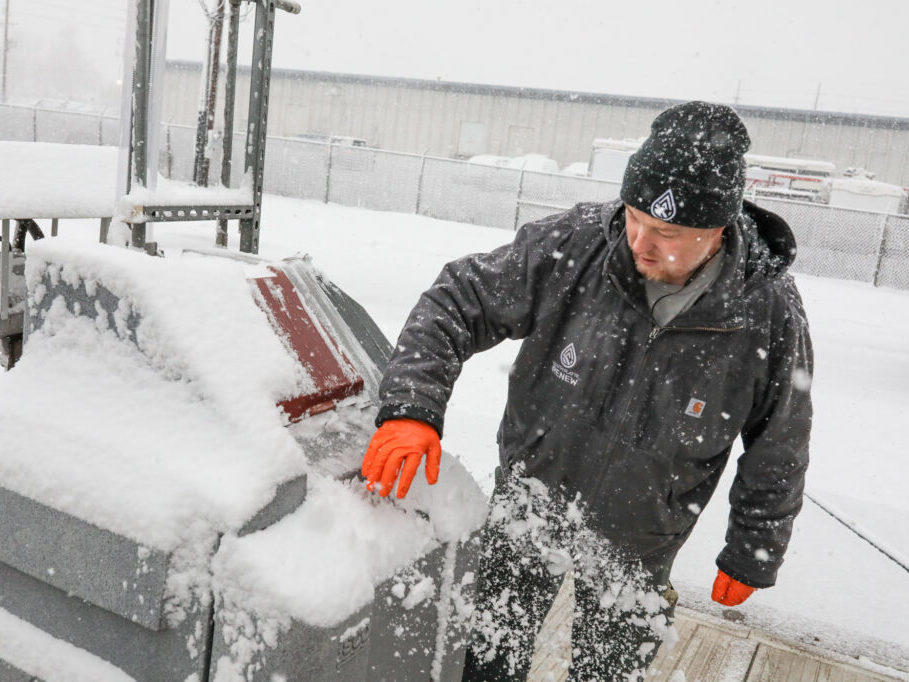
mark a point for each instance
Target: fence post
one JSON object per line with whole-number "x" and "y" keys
{"x": 168, "y": 152}
{"x": 416, "y": 209}
{"x": 5, "y": 260}
{"x": 517, "y": 201}
{"x": 328, "y": 174}
{"x": 880, "y": 249}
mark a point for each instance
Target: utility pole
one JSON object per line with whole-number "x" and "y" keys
{"x": 206, "y": 119}
{"x": 5, "y": 48}
{"x": 817, "y": 95}
{"x": 738, "y": 91}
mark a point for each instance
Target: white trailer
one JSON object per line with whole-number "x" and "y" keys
{"x": 773, "y": 176}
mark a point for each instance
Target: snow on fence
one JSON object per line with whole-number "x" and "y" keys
{"x": 833, "y": 242}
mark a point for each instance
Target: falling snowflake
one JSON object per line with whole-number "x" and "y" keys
{"x": 801, "y": 379}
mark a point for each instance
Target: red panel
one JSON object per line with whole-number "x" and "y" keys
{"x": 333, "y": 374}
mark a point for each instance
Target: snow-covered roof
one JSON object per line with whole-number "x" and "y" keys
{"x": 531, "y": 162}
{"x": 787, "y": 163}
{"x": 867, "y": 187}
{"x": 625, "y": 145}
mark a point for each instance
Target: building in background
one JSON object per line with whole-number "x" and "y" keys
{"x": 462, "y": 120}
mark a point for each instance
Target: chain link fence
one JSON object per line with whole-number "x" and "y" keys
{"x": 833, "y": 242}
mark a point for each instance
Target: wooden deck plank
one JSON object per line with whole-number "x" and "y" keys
{"x": 710, "y": 656}
{"x": 708, "y": 650}
{"x": 667, "y": 658}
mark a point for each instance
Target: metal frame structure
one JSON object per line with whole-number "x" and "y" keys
{"x": 249, "y": 215}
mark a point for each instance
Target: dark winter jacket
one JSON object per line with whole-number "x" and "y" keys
{"x": 638, "y": 419}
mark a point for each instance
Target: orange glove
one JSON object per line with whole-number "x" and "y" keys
{"x": 729, "y": 591}
{"x": 396, "y": 447}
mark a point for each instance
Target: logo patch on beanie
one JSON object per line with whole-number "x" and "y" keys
{"x": 663, "y": 207}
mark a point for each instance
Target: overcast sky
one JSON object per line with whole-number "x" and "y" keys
{"x": 773, "y": 52}
{"x": 770, "y": 52}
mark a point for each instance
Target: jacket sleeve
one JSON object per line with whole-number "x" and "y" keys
{"x": 475, "y": 303}
{"x": 766, "y": 494}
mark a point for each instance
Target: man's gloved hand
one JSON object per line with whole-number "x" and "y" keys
{"x": 401, "y": 442}
{"x": 729, "y": 591}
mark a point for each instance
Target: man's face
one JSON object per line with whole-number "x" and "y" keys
{"x": 665, "y": 252}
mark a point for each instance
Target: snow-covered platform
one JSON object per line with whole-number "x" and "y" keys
{"x": 43, "y": 180}
{"x": 51, "y": 180}
{"x": 180, "y": 444}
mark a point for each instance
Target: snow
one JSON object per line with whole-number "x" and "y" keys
{"x": 49, "y": 180}
{"x": 173, "y": 193}
{"x": 37, "y": 653}
{"x": 790, "y": 163}
{"x": 867, "y": 186}
{"x": 529, "y": 162}
{"x": 834, "y": 590}
{"x": 578, "y": 168}
{"x": 183, "y": 443}
{"x": 320, "y": 564}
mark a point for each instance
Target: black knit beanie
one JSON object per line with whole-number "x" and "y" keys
{"x": 691, "y": 170}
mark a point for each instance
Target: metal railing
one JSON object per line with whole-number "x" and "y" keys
{"x": 833, "y": 242}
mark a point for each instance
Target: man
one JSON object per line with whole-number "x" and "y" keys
{"x": 656, "y": 330}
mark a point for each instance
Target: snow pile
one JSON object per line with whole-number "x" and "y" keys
{"x": 196, "y": 317}
{"x": 50, "y": 180}
{"x": 320, "y": 564}
{"x": 168, "y": 438}
{"x": 867, "y": 186}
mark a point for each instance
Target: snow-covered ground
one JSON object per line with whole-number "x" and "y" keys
{"x": 835, "y": 589}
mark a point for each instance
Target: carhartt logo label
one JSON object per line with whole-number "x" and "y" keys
{"x": 663, "y": 206}
{"x": 568, "y": 358}
{"x": 695, "y": 408}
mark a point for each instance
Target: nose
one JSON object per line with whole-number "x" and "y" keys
{"x": 640, "y": 241}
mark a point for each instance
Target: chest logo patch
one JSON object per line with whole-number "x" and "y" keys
{"x": 695, "y": 408}
{"x": 663, "y": 207}
{"x": 568, "y": 358}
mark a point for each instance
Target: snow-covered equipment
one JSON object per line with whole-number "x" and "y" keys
{"x": 193, "y": 507}
{"x": 609, "y": 157}
{"x": 43, "y": 181}
{"x": 867, "y": 194}
{"x": 788, "y": 178}
{"x": 769, "y": 176}
{"x": 179, "y": 491}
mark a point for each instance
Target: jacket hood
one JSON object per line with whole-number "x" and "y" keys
{"x": 760, "y": 246}
{"x": 768, "y": 239}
